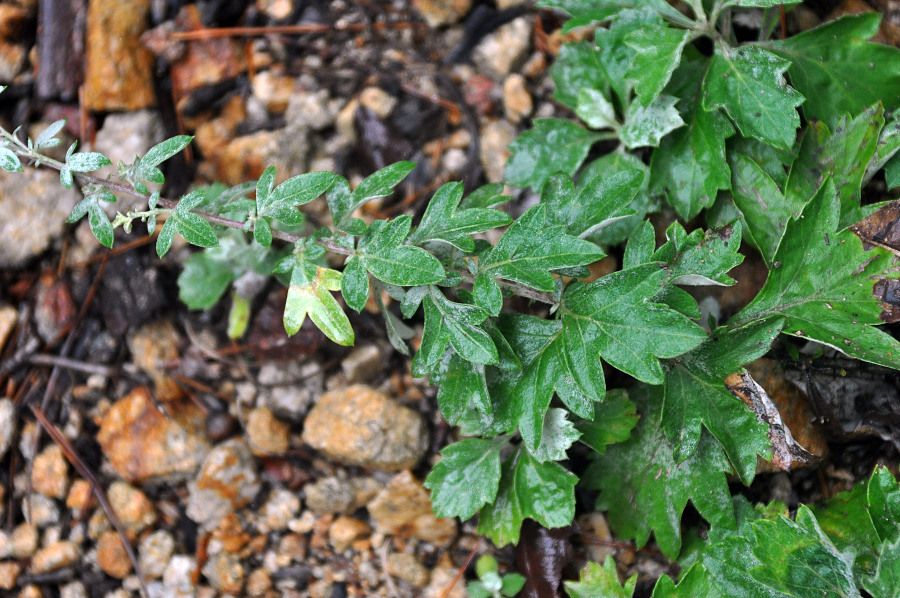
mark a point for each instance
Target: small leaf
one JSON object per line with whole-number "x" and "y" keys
{"x": 302, "y": 189}
{"x": 613, "y": 420}
{"x": 488, "y": 295}
{"x": 553, "y": 145}
{"x": 883, "y": 498}
{"x": 65, "y": 177}
{"x": 355, "y": 284}
{"x": 577, "y": 67}
{"x": 466, "y": 478}
{"x": 310, "y": 295}
{"x": 166, "y": 235}
{"x": 86, "y": 161}
{"x": 264, "y": 188}
{"x": 164, "y": 150}
{"x": 886, "y": 579}
{"x": 647, "y": 125}
{"x": 657, "y": 53}
{"x": 600, "y": 582}
{"x": 203, "y": 281}
{"x": 405, "y": 266}
{"x": 595, "y": 110}
{"x": 382, "y": 182}
{"x": 100, "y": 224}
{"x": 47, "y": 138}
{"x": 748, "y": 84}
{"x": 262, "y": 232}
{"x": 557, "y": 436}
{"x": 460, "y": 325}
{"x": 442, "y": 220}
{"x": 10, "y": 162}
{"x": 196, "y": 230}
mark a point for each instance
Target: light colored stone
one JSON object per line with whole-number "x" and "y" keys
{"x": 403, "y": 508}
{"x": 258, "y": 583}
{"x": 517, "y": 103}
{"x": 29, "y": 227}
{"x": 442, "y": 12}
{"x": 50, "y": 474}
{"x": 378, "y": 101}
{"x": 23, "y": 542}
{"x": 500, "y": 51}
{"x": 282, "y": 506}
{"x": 227, "y": 481}
{"x": 40, "y": 510}
{"x": 407, "y": 567}
{"x": 9, "y": 573}
{"x": 154, "y": 553}
{"x": 281, "y": 392}
{"x": 363, "y": 364}
{"x": 111, "y": 555}
{"x": 335, "y": 495}
{"x": 311, "y": 110}
{"x": 118, "y": 69}
{"x": 152, "y": 346}
{"x": 275, "y": 9}
{"x": 345, "y": 530}
{"x": 131, "y": 506}
{"x": 55, "y": 556}
{"x": 441, "y": 579}
{"x": 265, "y": 433}
{"x": 360, "y": 426}
{"x": 31, "y": 591}
{"x": 7, "y": 422}
{"x": 177, "y": 579}
{"x": 274, "y": 90}
{"x": 225, "y": 572}
{"x": 79, "y": 497}
{"x": 74, "y": 589}
{"x": 495, "y": 139}
{"x": 143, "y": 444}
{"x": 8, "y": 317}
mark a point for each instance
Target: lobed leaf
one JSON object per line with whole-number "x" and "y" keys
{"x": 601, "y": 582}
{"x": 466, "y": 478}
{"x": 552, "y": 145}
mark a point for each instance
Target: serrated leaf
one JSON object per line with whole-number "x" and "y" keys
{"x": 695, "y": 583}
{"x": 443, "y": 221}
{"x": 840, "y": 72}
{"x": 487, "y": 294}
{"x": 553, "y": 145}
{"x": 883, "y": 498}
{"x": 466, "y": 478}
{"x": 531, "y": 248}
{"x": 309, "y": 294}
{"x": 462, "y": 385}
{"x": 595, "y": 110}
{"x": 748, "y": 84}
{"x": 701, "y": 258}
{"x": 166, "y": 236}
{"x": 195, "y": 230}
{"x": 528, "y": 488}
{"x": 577, "y": 67}
{"x": 381, "y": 182}
{"x": 460, "y": 325}
{"x": 47, "y": 137}
{"x": 100, "y": 225}
{"x": 689, "y": 166}
{"x": 845, "y": 519}
{"x": 614, "y": 418}
{"x": 355, "y": 284}
{"x": 647, "y": 125}
{"x": 823, "y": 285}
{"x": 885, "y": 583}
{"x": 601, "y": 582}
{"x": 657, "y": 53}
{"x": 618, "y": 320}
{"x": 645, "y": 489}
{"x": 86, "y": 161}
{"x": 557, "y": 435}
{"x": 10, "y": 162}
{"x": 696, "y": 396}
{"x": 600, "y": 202}
{"x": 798, "y": 558}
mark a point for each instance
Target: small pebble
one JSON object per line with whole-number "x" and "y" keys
{"x": 407, "y": 567}
{"x": 177, "y": 578}
{"x": 40, "y": 510}
{"x": 55, "y": 556}
{"x": 154, "y": 553}
{"x": 363, "y": 364}
{"x": 7, "y": 424}
{"x": 281, "y": 507}
{"x": 517, "y": 103}
{"x": 403, "y": 508}
{"x": 227, "y": 481}
{"x": 133, "y": 508}
{"x": 345, "y": 530}
{"x": 9, "y": 573}
{"x": 265, "y": 433}
{"x": 111, "y": 555}
{"x": 23, "y": 542}
{"x": 225, "y": 572}
{"x": 258, "y": 583}
{"x": 74, "y": 589}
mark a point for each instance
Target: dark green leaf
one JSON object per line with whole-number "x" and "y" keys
{"x": 553, "y": 145}
{"x": 161, "y": 152}
{"x": 466, "y": 478}
{"x": 531, "y": 248}
{"x": 443, "y": 222}
{"x": 701, "y": 258}
{"x": 657, "y": 53}
{"x": 381, "y": 182}
{"x": 617, "y": 319}
{"x": 302, "y": 189}
{"x": 462, "y": 385}
{"x": 884, "y": 504}
{"x": 577, "y": 67}
{"x": 846, "y": 521}
{"x": 166, "y": 235}
{"x": 600, "y": 202}
{"x": 838, "y": 71}
{"x": 484, "y": 197}
{"x": 355, "y": 284}
{"x": 262, "y": 232}
{"x": 885, "y": 583}
{"x": 748, "y": 84}
{"x": 340, "y": 200}
{"x": 641, "y": 246}
{"x": 405, "y": 266}
{"x": 460, "y": 325}
{"x": 488, "y": 295}
{"x": 614, "y": 418}
{"x": 263, "y": 188}
{"x": 823, "y": 285}
{"x": 645, "y": 489}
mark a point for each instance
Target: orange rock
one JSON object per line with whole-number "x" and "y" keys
{"x": 205, "y": 61}
{"x": 265, "y": 433}
{"x": 111, "y": 555}
{"x": 50, "y": 474}
{"x": 119, "y": 69}
{"x": 141, "y": 443}
{"x": 153, "y": 345}
{"x": 403, "y": 508}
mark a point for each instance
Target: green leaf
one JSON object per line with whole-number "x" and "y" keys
{"x": 618, "y": 229}
{"x": 86, "y": 161}
{"x": 340, "y": 200}
{"x": 164, "y": 150}
{"x": 484, "y": 197}
{"x": 262, "y": 232}
{"x": 615, "y": 55}
{"x": 885, "y": 583}
{"x": 600, "y": 582}
{"x": 195, "y": 229}
{"x": 798, "y": 558}
{"x": 462, "y": 385}
{"x": 701, "y": 258}
{"x": 48, "y": 138}
{"x": 645, "y": 489}
{"x": 553, "y": 145}
{"x": 460, "y": 325}
{"x": 532, "y": 247}
{"x": 600, "y": 202}
{"x": 557, "y": 435}
{"x": 822, "y": 285}
{"x": 595, "y": 110}
{"x": 443, "y": 222}
{"x": 9, "y": 161}
{"x": 100, "y": 224}
{"x": 512, "y": 584}
{"x": 615, "y": 317}
{"x": 487, "y": 294}
{"x": 695, "y": 583}
{"x": 690, "y": 166}
{"x": 528, "y": 488}
{"x": 302, "y": 189}
{"x": 405, "y": 266}
{"x": 748, "y": 84}
{"x": 696, "y": 396}
{"x": 577, "y": 67}
{"x": 203, "y": 281}
{"x": 309, "y": 294}
{"x": 845, "y": 519}
{"x": 840, "y": 72}
{"x": 586, "y": 12}
{"x": 166, "y": 236}
{"x": 657, "y": 53}
{"x": 355, "y": 284}
{"x": 647, "y": 125}
{"x": 381, "y": 182}
{"x": 613, "y": 420}
{"x": 884, "y": 504}
{"x": 466, "y": 478}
